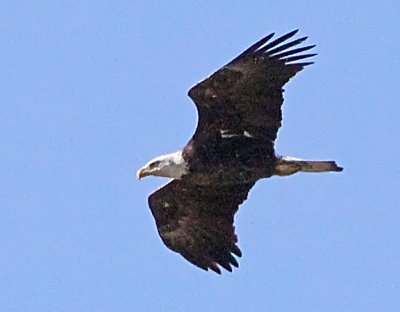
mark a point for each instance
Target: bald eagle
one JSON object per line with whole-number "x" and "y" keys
{"x": 239, "y": 110}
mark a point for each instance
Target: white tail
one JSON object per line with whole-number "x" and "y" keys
{"x": 287, "y": 166}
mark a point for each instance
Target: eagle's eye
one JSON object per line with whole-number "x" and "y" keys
{"x": 154, "y": 164}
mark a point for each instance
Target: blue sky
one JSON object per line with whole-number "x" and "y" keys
{"x": 91, "y": 90}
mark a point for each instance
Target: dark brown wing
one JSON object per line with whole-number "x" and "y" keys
{"x": 246, "y": 94}
{"x": 197, "y": 221}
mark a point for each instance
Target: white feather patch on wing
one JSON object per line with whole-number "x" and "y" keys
{"x": 247, "y": 134}
{"x": 225, "y": 134}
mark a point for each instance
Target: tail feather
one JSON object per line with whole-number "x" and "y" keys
{"x": 287, "y": 166}
{"x": 319, "y": 166}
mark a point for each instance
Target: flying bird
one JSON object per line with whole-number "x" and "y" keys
{"x": 239, "y": 110}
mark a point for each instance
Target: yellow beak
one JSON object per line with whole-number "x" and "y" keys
{"x": 143, "y": 172}
{"x": 140, "y": 173}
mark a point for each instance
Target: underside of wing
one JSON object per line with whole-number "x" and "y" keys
{"x": 197, "y": 221}
{"x": 245, "y": 96}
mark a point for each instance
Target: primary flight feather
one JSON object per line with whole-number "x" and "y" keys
{"x": 239, "y": 109}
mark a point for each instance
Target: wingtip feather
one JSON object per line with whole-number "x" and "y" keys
{"x": 292, "y": 52}
{"x": 285, "y": 46}
{"x": 235, "y": 250}
{"x": 214, "y": 267}
{"x": 298, "y": 57}
{"x": 253, "y": 47}
{"x": 233, "y": 261}
{"x": 305, "y": 64}
{"x": 226, "y": 266}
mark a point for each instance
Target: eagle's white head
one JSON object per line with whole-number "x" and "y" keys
{"x": 170, "y": 166}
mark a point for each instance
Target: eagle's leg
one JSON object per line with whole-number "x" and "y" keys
{"x": 287, "y": 166}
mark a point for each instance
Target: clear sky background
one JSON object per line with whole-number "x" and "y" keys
{"x": 91, "y": 90}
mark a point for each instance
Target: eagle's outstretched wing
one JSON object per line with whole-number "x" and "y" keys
{"x": 246, "y": 94}
{"x": 197, "y": 221}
